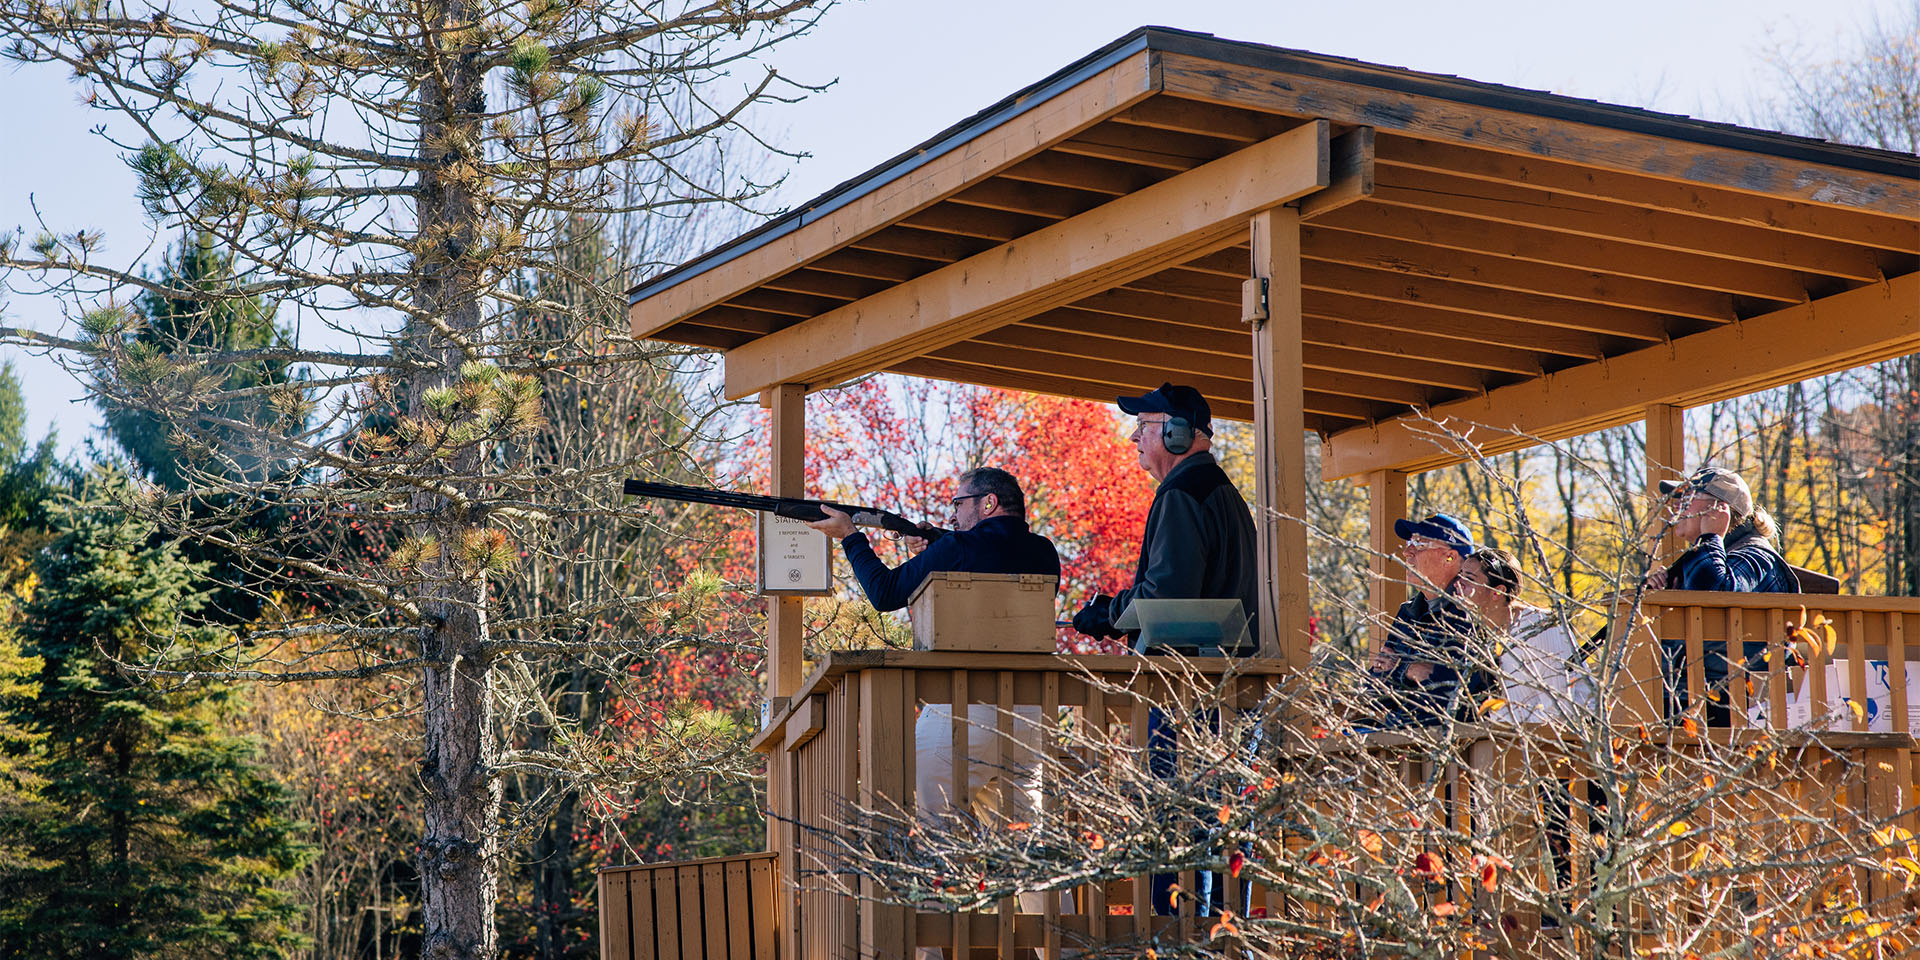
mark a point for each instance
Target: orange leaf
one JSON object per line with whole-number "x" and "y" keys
{"x": 1679, "y": 828}
{"x": 1645, "y": 737}
{"x": 1708, "y": 781}
{"x": 1019, "y": 825}
{"x": 1445, "y": 908}
{"x": 1490, "y": 877}
{"x": 1691, "y": 726}
{"x": 1427, "y": 865}
{"x": 1374, "y": 904}
{"x": 1226, "y": 812}
{"x": 1224, "y": 926}
{"x": 1491, "y": 704}
{"x": 1371, "y": 843}
{"x": 1235, "y": 862}
{"x": 1095, "y": 841}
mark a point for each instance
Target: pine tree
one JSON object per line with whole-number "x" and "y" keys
{"x": 396, "y": 173}
{"x": 192, "y": 305}
{"x": 28, "y": 483}
{"x": 156, "y": 836}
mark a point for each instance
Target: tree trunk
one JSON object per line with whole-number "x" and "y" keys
{"x": 459, "y": 851}
{"x": 459, "y": 878}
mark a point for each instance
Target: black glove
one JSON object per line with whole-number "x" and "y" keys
{"x": 1096, "y": 619}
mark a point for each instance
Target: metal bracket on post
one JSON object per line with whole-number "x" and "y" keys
{"x": 1253, "y": 300}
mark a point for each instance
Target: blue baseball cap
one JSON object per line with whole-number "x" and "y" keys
{"x": 1440, "y": 527}
{"x": 1174, "y": 400}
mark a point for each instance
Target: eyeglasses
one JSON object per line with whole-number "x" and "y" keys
{"x": 955, "y": 501}
{"x": 1142, "y": 424}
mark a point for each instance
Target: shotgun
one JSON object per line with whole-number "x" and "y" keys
{"x": 793, "y": 509}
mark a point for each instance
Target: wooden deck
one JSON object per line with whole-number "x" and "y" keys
{"x": 847, "y": 741}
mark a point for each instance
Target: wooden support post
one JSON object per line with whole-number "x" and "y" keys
{"x": 788, "y": 479}
{"x": 1666, "y": 460}
{"x": 1386, "y": 585}
{"x": 1279, "y": 428}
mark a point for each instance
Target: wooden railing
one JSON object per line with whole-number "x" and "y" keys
{"x": 848, "y": 737}
{"x": 1783, "y": 654}
{"x": 721, "y": 908}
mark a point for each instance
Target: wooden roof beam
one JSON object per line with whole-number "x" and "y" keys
{"x": 1416, "y": 347}
{"x": 1533, "y": 308}
{"x": 1129, "y": 237}
{"x": 1174, "y": 350}
{"x": 1541, "y": 210}
{"x": 1445, "y": 263}
{"x": 1397, "y": 316}
{"x": 1568, "y": 250}
{"x": 1530, "y": 135}
{"x": 1863, "y": 325}
{"x": 1082, "y": 173}
{"x": 1211, "y": 296}
{"x": 903, "y": 241}
{"x": 1403, "y": 353}
{"x": 1225, "y": 406}
{"x": 1873, "y": 228}
{"x": 1086, "y": 104}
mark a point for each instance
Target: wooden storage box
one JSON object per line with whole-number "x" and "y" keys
{"x": 991, "y": 612}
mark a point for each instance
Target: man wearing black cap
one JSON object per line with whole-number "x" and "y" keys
{"x": 1199, "y": 544}
{"x": 1199, "y": 541}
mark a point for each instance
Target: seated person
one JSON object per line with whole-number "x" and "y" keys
{"x": 1731, "y": 549}
{"x": 990, "y": 535}
{"x": 1420, "y": 668}
{"x": 1543, "y": 677}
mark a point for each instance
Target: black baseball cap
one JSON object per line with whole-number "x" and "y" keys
{"x": 1179, "y": 401}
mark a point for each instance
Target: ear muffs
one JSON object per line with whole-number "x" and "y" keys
{"x": 1176, "y": 435}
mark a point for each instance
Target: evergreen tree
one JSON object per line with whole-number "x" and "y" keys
{"x": 397, "y": 171}
{"x": 27, "y": 484}
{"x": 194, "y": 304}
{"x": 157, "y": 836}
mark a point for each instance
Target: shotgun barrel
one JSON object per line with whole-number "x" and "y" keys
{"x": 789, "y": 507}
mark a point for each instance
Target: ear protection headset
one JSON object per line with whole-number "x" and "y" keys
{"x": 1176, "y": 435}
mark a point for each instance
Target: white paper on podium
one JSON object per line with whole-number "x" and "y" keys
{"x": 1877, "y": 701}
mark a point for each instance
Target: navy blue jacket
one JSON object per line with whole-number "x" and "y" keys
{"x": 1746, "y": 565}
{"x": 995, "y": 545}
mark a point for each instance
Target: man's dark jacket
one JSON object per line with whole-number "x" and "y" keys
{"x": 1000, "y": 544}
{"x": 1199, "y": 542}
{"x": 1427, "y": 630}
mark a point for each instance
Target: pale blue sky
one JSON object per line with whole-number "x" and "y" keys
{"x": 909, "y": 68}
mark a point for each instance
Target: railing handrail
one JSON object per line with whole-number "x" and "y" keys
{"x": 670, "y": 864}
{"x": 838, "y": 663}
{"x": 1823, "y": 602}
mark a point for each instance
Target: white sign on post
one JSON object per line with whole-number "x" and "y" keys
{"x": 795, "y": 559}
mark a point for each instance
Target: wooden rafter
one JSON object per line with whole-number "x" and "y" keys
{"x": 1872, "y": 322}
{"x": 1171, "y": 220}
{"x": 1087, "y": 103}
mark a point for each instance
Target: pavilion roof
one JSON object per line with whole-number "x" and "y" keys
{"x": 1541, "y": 264}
